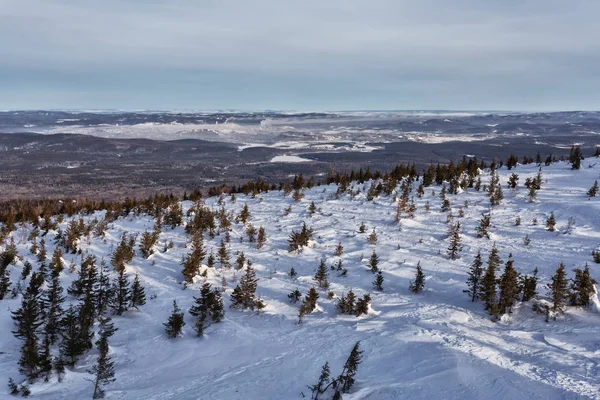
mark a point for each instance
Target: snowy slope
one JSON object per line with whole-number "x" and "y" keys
{"x": 433, "y": 345}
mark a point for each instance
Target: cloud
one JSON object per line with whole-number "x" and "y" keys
{"x": 299, "y": 54}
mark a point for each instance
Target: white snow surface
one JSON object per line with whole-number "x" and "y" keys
{"x": 434, "y": 345}
{"x": 289, "y": 159}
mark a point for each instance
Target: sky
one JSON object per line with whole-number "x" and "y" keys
{"x": 532, "y": 55}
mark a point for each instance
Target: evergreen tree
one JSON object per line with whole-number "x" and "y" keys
{"x": 321, "y": 276}
{"x": 559, "y": 289}
{"x": 244, "y": 215}
{"x": 362, "y": 305}
{"x": 346, "y": 379}
{"x": 294, "y": 296}
{"x": 138, "y": 293}
{"x": 223, "y": 255}
{"x": 374, "y": 262}
{"x": 529, "y": 286}
{"x": 56, "y": 264}
{"x": 575, "y": 157}
{"x": 175, "y": 323}
{"x": 339, "y": 249}
{"x": 104, "y": 292}
{"x": 262, "y": 238}
{"x": 582, "y": 287}
{"x": 28, "y": 320}
{"x": 593, "y": 192}
{"x": 53, "y": 299}
{"x": 509, "y": 288}
{"x": 308, "y": 304}
{"x": 243, "y": 295}
{"x": 551, "y": 222}
{"x": 347, "y": 304}
{"x": 484, "y": 224}
{"x": 71, "y": 346}
{"x": 104, "y": 369}
{"x": 121, "y": 294}
{"x": 322, "y": 384}
{"x": 193, "y": 261}
{"x": 474, "y": 279}
{"x": 240, "y": 260}
{"x": 208, "y": 307}
{"x": 4, "y": 281}
{"x": 454, "y": 248}
{"x": 487, "y": 288}
{"x": 12, "y": 387}
{"x": 378, "y": 282}
{"x": 418, "y": 284}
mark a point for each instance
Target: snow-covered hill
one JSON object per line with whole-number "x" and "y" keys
{"x": 433, "y": 345}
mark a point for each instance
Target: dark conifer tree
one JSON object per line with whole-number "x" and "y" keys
{"x": 243, "y": 295}
{"x": 374, "y": 262}
{"x": 175, "y": 323}
{"x": 138, "y": 293}
{"x": 509, "y": 288}
{"x": 193, "y": 261}
{"x": 529, "y": 286}
{"x": 4, "y": 281}
{"x": 484, "y": 224}
{"x": 551, "y": 222}
{"x": 28, "y": 320}
{"x": 593, "y": 192}
{"x": 53, "y": 299}
{"x": 223, "y": 255}
{"x": 104, "y": 291}
{"x": 339, "y": 249}
{"x": 104, "y": 369}
{"x": 362, "y": 305}
{"x": 418, "y": 284}
{"x": 474, "y": 279}
{"x": 378, "y": 282}
{"x": 308, "y": 304}
{"x": 454, "y": 248}
{"x": 487, "y": 289}
{"x": 322, "y": 384}
{"x": 294, "y": 296}
{"x": 582, "y": 287}
{"x": 262, "y": 238}
{"x": 72, "y": 346}
{"x": 346, "y": 379}
{"x": 208, "y": 308}
{"x": 122, "y": 294}
{"x": 321, "y": 276}
{"x": 559, "y": 291}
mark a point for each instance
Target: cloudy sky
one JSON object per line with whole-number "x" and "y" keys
{"x": 300, "y": 54}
